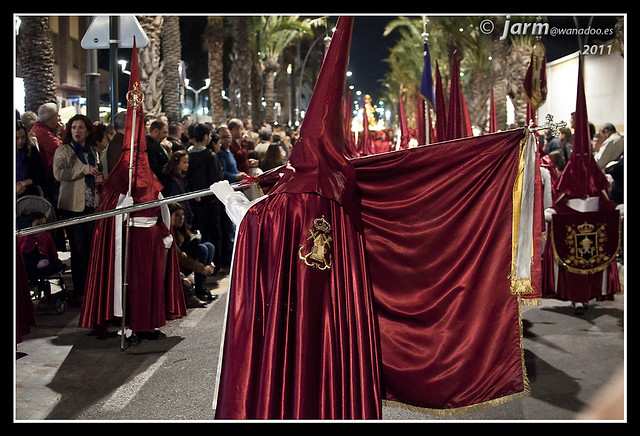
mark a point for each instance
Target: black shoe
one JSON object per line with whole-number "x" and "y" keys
{"x": 194, "y": 302}
{"x": 579, "y": 310}
{"x": 131, "y": 341}
{"x": 206, "y": 295}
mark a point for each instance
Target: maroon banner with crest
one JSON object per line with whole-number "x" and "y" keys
{"x": 585, "y": 243}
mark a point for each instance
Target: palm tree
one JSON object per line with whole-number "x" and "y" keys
{"x": 499, "y": 54}
{"x": 171, "y": 54}
{"x": 241, "y": 65}
{"x": 405, "y": 60}
{"x": 214, "y": 40}
{"x": 275, "y": 35}
{"x": 505, "y": 71}
{"x": 151, "y": 66}
{"x": 35, "y": 59}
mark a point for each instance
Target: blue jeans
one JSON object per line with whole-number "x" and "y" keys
{"x": 206, "y": 251}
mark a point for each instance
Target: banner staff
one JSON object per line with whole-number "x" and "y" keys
{"x": 135, "y": 97}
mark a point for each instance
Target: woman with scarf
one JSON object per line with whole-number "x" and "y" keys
{"x": 75, "y": 167}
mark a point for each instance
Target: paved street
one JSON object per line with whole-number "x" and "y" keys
{"x": 61, "y": 373}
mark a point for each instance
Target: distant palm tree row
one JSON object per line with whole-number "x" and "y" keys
{"x": 264, "y": 68}
{"x": 252, "y": 62}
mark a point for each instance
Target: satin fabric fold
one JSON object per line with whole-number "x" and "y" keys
{"x": 438, "y": 229}
{"x": 300, "y": 342}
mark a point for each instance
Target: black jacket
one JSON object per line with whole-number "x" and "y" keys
{"x": 158, "y": 157}
{"x": 204, "y": 170}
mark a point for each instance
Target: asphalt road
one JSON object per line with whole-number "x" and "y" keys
{"x": 62, "y": 373}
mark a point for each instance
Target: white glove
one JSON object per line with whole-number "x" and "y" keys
{"x": 548, "y": 214}
{"x": 167, "y": 241}
{"x": 235, "y": 203}
{"x": 222, "y": 189}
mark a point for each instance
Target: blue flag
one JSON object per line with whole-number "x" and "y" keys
{"x": 426, "y": 85}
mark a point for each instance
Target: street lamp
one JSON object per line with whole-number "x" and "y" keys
{"x": 207, "y": 82}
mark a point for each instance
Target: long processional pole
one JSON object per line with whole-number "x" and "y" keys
{"x": 135, "y": 98}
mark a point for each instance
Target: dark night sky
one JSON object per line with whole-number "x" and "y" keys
{"x": 369, "y": 47}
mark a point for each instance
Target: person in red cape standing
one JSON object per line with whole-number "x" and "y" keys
{"x": 300, "y": 336}
{"x": 580, "y": 256}
{"x": 154, "y": 291}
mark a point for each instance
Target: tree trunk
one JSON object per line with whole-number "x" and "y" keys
{"x": 285, "y": 86}
{"x": 35, "y": 58}
{"x": 171, "y": 55}
{"x": 150, "y": 65}
{"x": 257, "y": 87}
{"x": 479, "y": 91}
{"x": 214, "y": 39}
{"x": 271, "y": 65}
{"x": 499, "y": 53}
{"x": 517, "y": 64}
{"x": 241, "y": 64}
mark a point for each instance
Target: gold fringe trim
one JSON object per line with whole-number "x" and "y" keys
{"x": 458, "y": 410}
{"x": 485, "y": 404}
{"x": 530, "y": 302}
{"x": 521, "y": 286}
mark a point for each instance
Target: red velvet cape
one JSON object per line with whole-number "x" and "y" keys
{"x": 301, "y": 338}
{"x": 580, "y": 179}
{"x": 155, "y": 291}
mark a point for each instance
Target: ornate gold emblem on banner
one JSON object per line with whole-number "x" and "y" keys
{"x": 589, "y": 242}
{"x": 135, "y": 97}
{"x": 317, "y": 245}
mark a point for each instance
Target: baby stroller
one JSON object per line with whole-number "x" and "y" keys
{"x": 40, "y": 278}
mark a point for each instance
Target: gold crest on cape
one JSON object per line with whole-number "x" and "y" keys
{"x": 317, "y": 245}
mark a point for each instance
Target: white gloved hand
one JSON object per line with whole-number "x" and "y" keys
{"x": 548, "y": 214}
{"x": 167, "y": 241}
{"x": 125, "y": 201}
{"x": 221, "y": 189}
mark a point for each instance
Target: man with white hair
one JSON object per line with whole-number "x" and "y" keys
{"x": 48, "y": 130}
{"x": 612, "y": 147}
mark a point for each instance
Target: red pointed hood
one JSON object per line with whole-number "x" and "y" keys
{"x": 581, "y": 177}
{"x": 319, "y": 155}
{"x": 441, "y": 109}
{"x": 458, "y": 123}
{"x": 145, "y": 185}
{"x": 404, "y": 129}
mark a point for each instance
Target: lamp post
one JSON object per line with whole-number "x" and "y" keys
{"x": 207, "y": 82}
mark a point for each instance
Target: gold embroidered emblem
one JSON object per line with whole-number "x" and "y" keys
{"x": 319, "y": 254}
{"x": 135, "y": 97}
{"x": 586, "y": 242}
